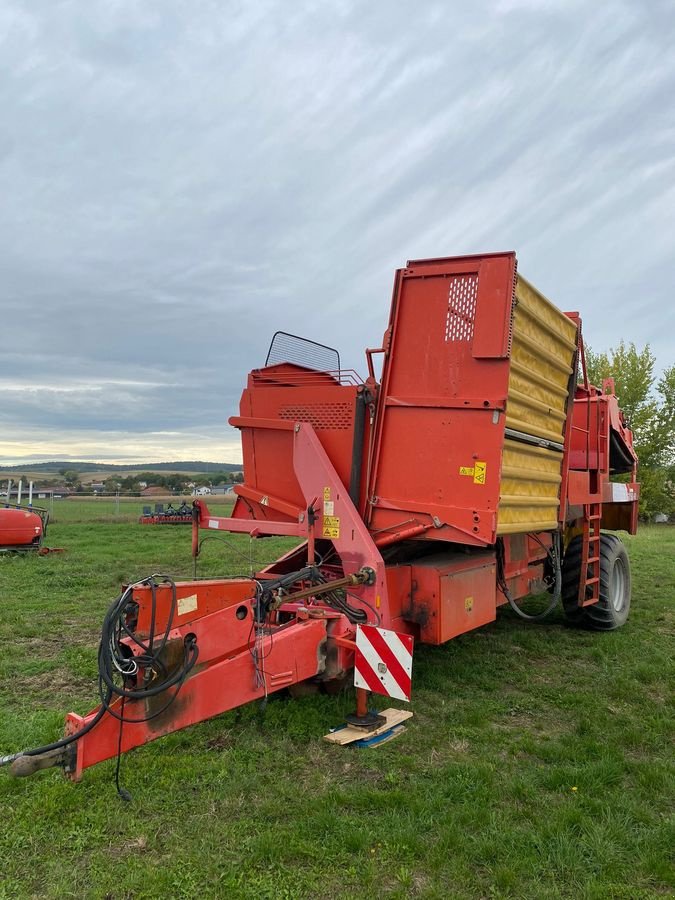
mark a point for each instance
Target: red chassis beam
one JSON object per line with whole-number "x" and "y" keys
{"x": 318, "y": 482}
{"x": 224, "y": 677}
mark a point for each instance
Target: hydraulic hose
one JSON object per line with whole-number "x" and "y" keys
{"x": 554, "y": 555}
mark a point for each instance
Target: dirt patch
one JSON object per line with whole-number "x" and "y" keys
{"x": 45, "y": 685}
{"x": 49, "y": 646}
{"x": 224, "y": 741}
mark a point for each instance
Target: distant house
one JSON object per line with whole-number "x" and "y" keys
{"x": 97, "y": 487}
{"x": 155, "y": 491}
{"x": 222, "y": 489}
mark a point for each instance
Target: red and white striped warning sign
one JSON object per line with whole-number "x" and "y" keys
{"x": 383, "y": 661}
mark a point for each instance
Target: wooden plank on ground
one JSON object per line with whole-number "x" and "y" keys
{"x": 370, "y": 743}
{"x": 348, "y": 734}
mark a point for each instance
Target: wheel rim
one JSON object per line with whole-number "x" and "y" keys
{"x": 618, "y": 588}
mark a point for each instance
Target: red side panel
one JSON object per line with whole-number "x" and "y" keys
{"x": 287, "y": 392}
{"x": 441, "y": 411}
{"x": 453, "y": 594}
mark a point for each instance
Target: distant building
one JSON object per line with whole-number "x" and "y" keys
{"x": 155, "y": 491}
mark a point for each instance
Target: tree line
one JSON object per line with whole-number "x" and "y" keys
{"x": 648, "y": 402}
{"x": 174, "y": 482}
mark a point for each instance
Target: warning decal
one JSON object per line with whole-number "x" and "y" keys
{"x": 478, "y": 471}
{"x": 331, "y": 527}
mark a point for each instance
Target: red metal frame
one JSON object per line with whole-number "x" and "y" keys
{"x": 368, "y": 478}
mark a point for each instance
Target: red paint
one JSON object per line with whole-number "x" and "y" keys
{"x": 439, "y": 407}
{"x": 19, "y": 528}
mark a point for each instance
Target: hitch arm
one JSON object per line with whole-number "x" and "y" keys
{"x": 290, "y": 654}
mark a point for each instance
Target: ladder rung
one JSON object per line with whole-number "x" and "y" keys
{"x": 592, "y": 559}
{"x": 592, "y": 581}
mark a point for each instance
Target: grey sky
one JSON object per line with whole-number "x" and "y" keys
{"x": 180, "y": 179}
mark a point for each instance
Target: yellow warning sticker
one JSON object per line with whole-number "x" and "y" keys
{"x": 479, "y": 472}
{"x": 331, "y": 527}
{"x": 468, "y": 603}
{"x": 326, "y": 493}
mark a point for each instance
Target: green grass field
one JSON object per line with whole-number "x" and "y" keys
{"x": 538, "y": 763}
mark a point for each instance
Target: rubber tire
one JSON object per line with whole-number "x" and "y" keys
{"x": 601, "y": 616}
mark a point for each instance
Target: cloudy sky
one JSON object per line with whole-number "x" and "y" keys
{"x": 181, "y": 179}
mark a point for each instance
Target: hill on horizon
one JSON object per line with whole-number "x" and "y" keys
{"x": 53, "y": 467}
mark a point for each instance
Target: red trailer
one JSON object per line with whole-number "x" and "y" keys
{"x": 474, "y": 470}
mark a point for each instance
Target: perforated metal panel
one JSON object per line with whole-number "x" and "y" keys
{"x": 461, "y": 307}
{"x": 321, "y": 416}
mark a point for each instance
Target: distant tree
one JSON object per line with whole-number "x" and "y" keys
{"x": 176, "y": 482}
{"x": 129, "y": 484}
{"x": 71, "y": 478}
{"x": 649, "y": 406}
{"x": 238, "y": 477}
{"x": 150, "y": 478}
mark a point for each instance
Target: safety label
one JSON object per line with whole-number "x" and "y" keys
{"x": 478, "y": 471}
{"x": 328, "y": 508}
{"x": 331, "y": 527}
{"x": 326, "y": 493}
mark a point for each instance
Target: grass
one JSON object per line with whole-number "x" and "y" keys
{"x": 538, "y": 763}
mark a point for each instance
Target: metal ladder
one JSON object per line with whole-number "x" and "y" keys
{"x": 590, "y": 555}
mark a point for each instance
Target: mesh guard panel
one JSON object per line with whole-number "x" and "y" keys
{"x": 289, "y": 348}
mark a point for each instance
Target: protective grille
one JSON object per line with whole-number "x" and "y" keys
{"x": 321, "y": 416}
{"x": 461, "y": 307}
{"x": 289, "y": 348}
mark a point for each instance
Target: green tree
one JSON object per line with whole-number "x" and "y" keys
{"x": 71, "y": 477}
{"x": 649, "y": 407}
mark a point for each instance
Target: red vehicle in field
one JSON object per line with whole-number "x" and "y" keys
{"x": 476, "y": 469}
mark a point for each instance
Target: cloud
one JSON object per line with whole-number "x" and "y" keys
{"x": 178, "y": 183}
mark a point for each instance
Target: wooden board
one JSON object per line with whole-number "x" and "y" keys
{"x": 347, "y": 733}
{"x": 378, "y": 740}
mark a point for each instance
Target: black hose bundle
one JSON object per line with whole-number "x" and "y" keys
{"x": 117, "y": 663}
{"x": 117, "y": 666}
{"x": 554, "y": 555}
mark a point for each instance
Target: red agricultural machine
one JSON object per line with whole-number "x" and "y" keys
{"x": 181, "y": 515}
{"x": 22, "y": 527}
{"x": 474, "y": 471}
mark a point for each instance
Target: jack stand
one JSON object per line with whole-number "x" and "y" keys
{"x": 363, "y": 717}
